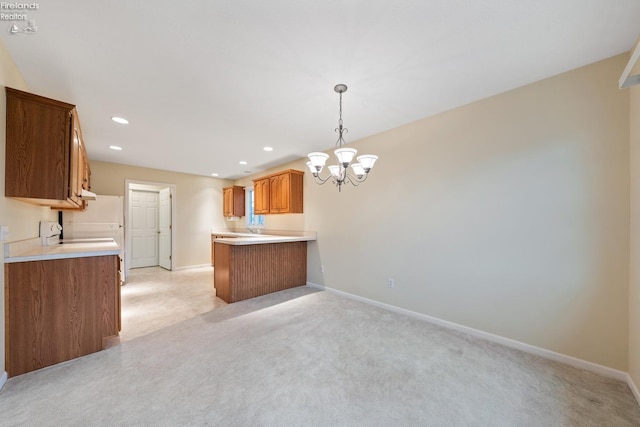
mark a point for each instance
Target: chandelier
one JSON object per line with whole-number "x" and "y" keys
{"x": 339, "y": 173}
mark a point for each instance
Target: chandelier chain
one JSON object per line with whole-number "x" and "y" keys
{"x": 340, "y": 129}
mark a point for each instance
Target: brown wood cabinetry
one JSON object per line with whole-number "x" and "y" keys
{"x": 233, "y": 201}
{"x": 279, "y": 193}
{"x": 261, "y": 196}
{"x": 59, "y": 309}
{"x": 45, "y": 159}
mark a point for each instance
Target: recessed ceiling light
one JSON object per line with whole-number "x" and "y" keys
{"x": 214, "y": 174}
{"x": 115, "y": 147}
{"x": 120, "y": 120}
{"x": 242, "y": 162}
{"x": 268, "y": 148}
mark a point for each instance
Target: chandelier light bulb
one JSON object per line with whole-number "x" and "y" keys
{"x": 318, "y": 160}
{"x": 345, "y": 155}
{"x": 367, "y": 161}
{"x": 358, "y": 170}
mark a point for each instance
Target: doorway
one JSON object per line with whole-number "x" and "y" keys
{"x": 149, "y": 209}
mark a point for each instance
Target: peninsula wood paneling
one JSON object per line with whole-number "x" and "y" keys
{"x": 221, "y": 275}
{"x": 247, "y": 271}
{"x": 56, "y": 310}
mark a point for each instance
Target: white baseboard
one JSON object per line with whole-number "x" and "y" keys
{"x": 3, "y": 379}
{"x": 192, "y": 267}
{"x": 633, "y": 387}
{"x": 548, "y": 354}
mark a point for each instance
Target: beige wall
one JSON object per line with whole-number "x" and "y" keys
{"x": 198, "y": 202}
{"x": 22, "y": 218}
{"x": 634, "y": 289}
{"x": 509, "y": 215}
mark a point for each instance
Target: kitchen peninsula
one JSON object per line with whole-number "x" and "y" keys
{"x": 249, "y": 265}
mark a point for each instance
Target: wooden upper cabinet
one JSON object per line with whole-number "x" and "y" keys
{"x": 233, "y": 201}
{"x": 44, "y": 152}
{"x": 282, "y": 192}
{"x": 80, "y": 170}
{"x": 261, "y": 196}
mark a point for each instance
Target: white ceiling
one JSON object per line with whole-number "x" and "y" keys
{"x": 206, "y": 84}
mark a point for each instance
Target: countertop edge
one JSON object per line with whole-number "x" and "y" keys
{"x": 31, "y": 250}
{"x": 47, "y": 257}
{"x": 263, "y": 240}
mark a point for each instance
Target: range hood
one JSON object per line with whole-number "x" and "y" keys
{"x": 87, "y": 195}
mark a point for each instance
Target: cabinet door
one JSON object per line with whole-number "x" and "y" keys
{"x": 227, "y": 202}
{"x": 75, "y": 177}
{"x": 274, "y": 194}
{"x": 37, "y": 147}
{"x": 285, "y": 192}
{"x": 59, "y": 309}
{"x": 84, "y": 171}
{"x": 261, "y": 196}
{"x": 280, "y": 193}
{"x": 79, "y": 172}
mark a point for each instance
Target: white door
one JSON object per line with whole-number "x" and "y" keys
{"x": 144, "y": 228}
{"x": 165, "y": 228}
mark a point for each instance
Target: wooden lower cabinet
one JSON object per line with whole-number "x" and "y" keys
{"x": 247, "y": 271}
{"x": 56, "y": 310}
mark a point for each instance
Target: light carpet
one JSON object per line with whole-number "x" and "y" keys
{"x": 304, "y": 357}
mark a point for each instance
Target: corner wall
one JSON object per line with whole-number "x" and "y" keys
{"x": 509, "y": 215}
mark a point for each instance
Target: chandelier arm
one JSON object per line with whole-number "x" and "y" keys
{"x": 350, "y": 180}
{"x": 320, "y": 180}
{"x": 354, "y": 180}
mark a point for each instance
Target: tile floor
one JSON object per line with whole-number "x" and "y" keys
{"x": 154, "y": 298}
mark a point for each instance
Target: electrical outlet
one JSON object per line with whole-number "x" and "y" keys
{"x": 391, "y": 282}
{"x": 322, "y": 268}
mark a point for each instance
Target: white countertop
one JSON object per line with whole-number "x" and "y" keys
{"x": 232, "y": 238}
{"x": 32, "y": 250}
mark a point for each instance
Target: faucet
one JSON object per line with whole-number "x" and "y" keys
{"x": 253, "y": 230}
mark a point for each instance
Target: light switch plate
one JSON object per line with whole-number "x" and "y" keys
{"x": 4, "y": 233}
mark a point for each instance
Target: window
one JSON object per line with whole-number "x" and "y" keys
{"x": 253, "y": 220}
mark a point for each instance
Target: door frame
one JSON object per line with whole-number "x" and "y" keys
{"x": 135, "y": 184}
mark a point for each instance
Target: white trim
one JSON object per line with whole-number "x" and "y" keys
{"x": 315, "y": 285}
{"x": 3, "y": 379}
{"x": 634, "y": 388}
{"x": 192, "y": 267}
{"x": 548, "y": 354}
{"x": 626, "y": 79}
